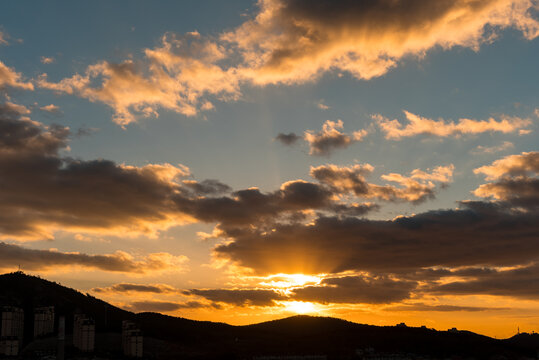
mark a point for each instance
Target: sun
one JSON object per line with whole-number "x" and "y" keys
{"x": 300, "y": 307}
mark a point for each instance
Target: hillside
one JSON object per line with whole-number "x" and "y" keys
{"x": 298, "y": 335}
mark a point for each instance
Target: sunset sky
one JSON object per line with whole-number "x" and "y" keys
{"x": 242, "y": 161}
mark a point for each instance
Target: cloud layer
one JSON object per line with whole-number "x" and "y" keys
{"x": 290, "y": 42}
{"x": 31, "y": 259}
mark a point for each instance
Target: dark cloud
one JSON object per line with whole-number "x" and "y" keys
{"x": 31, "y": 259}
{"x": 325, "y": 141}
{"x": 515, "y": 178}
{"x": 521, "y": 282}
{"x": 165, "y": 306}
{"x": 356, "y": 289}
{"x": 206, "y": 187}
{"x": 434, "y": 274}
{"x": 239, "y": 297}
{"x": 288, "y": 139}
{"x": 416, "y": 188}
{"x": 43, "y": 190}
{"x": 478, "y": 234}
{"x": 158, "y": 289}
{"x": 251, "y": 206}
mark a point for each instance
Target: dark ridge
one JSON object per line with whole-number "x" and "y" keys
{"x": 168, "y": 337}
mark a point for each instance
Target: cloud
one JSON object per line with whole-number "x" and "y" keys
{"x": 480, "y": 233}
{"x": 144, "y": 288}
{"x": 10, "y": 78}
{"x": 417, "y": 125}
{"x": 506, "y": 145}
{"x": 43, "y": 191}
{"x": 30, "y": 259}
{"x": 356, "y": 289}
{"x": 512, "y": 165}
{"x": 330, "y": 138}
{"x": 322, "y": 106}
{"x": 290, "y": 42}
{"x": 239, "y": 297}
{"x": 206, "y": 187}
{"x": 175, "y": 76}
{"x": 514, "y": 282}
{"x": 165, "y": 306}
{"x": 51, "y": 108}
{"x": 441, "y": 308}
{"x": 416, "y": 188}
{"x": 293, "y": 41}
{"x": 12, "y": 109}
{"x": 47, "y": 60}
{"x": 516, "y": 180}
{"x": 3, "y": 40}
{"x": 288, "y": 139}
{"x": 325, "y": 141}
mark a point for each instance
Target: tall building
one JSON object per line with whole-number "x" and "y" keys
{"x": 43, "y": 320}
{"x": 11, "y": 330}
{"x": 60, "y": 354}
{"x": 132, "y": 339}
{"x": 83, "y": 333}
{"x": 9, "y": 346}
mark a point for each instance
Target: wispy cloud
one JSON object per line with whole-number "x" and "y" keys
{"x": 47, "y": 60}
{"x": 417, "y": 125}
{"x": 506, "y": 145}
{"x": 51, "y": 108}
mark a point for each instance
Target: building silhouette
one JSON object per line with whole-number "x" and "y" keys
{"x": 83, "y": 333}
{"x": 43, "y": 321}
{"x": 132, "y": 339}
{"x": 11, "y": 330}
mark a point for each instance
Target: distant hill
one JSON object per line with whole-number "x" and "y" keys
{"x": 297, "y": 335}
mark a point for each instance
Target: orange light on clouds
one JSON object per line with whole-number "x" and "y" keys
{"x": 287, "y": 281}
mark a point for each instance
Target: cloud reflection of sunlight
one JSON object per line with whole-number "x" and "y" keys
{"x": 285, "y": 281}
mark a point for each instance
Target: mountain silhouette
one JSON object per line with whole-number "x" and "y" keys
{"x": 168, "y": 337}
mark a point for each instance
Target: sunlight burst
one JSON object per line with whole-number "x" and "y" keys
{"x": 300, "y": 307}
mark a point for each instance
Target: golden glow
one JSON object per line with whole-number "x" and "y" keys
{"x": 285, "y": 281}
{"x": 300, "y": 307}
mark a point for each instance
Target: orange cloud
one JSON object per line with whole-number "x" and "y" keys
{"x": 515, "y": 179}
{"x": 418, "y": 125}
{"x": 292, "y": 41}
{"x": 288, "y": 42}
{"x": 51, "y": 108}
{"x": 527, "y": 162}
{"x": 174, "y": 76}
{"x": 9, "y": 77}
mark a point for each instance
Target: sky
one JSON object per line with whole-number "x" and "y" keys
{"x": 244, "y": 161}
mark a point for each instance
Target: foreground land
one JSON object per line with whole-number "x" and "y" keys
{"x": 167, "y": 337}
